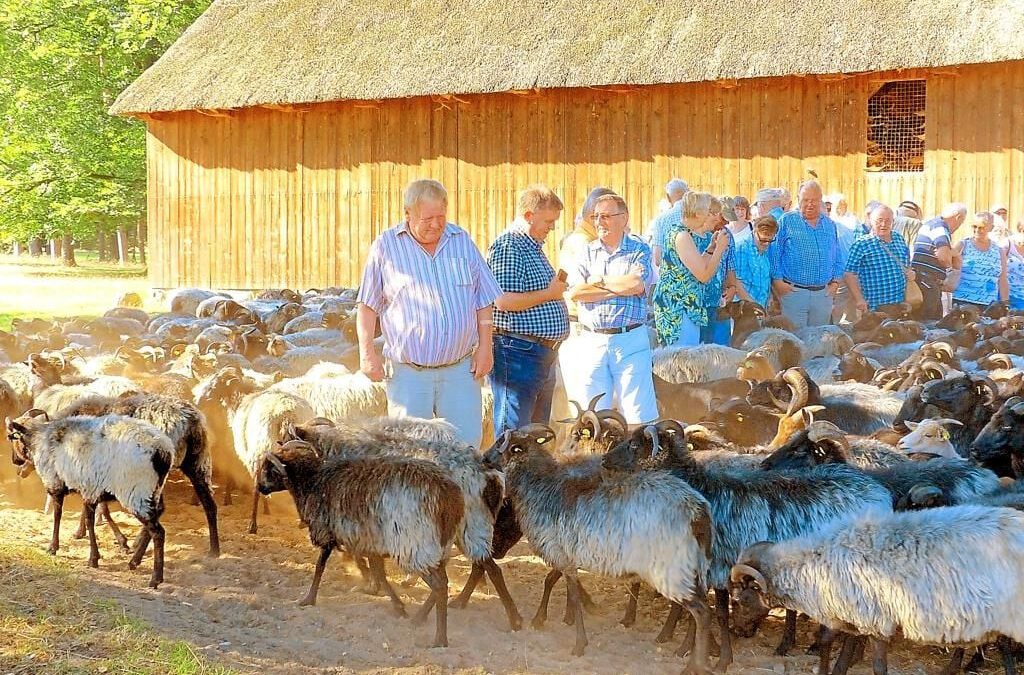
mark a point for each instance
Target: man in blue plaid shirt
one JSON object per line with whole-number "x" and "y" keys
{"x": 530, "y": 316}
{"x": 878, "y": 266}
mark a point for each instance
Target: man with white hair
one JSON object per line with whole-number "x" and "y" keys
{"x": 806, "y": 260}
{"x": 433, "y": 293}
{"x": 878, "y": 266}
{"x": 934, "y": 260}
{"x": 769, "y": 203}
{"x": 675, "y": 190}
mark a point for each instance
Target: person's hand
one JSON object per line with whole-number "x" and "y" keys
{"x": 556, "y": 289}
{"x": 483, "y": 362}
{"x": 371, "y": 365}
{"x": 831, "y": 289}
{"x": 782, "y": 288}
{"x": 721, "y": 239}
{"x": 862, "y": 305}
{"x": 911, "y": 274}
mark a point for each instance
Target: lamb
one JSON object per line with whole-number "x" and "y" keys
{"x": 749, "y": 505}
{"x": 185, "y": 426}
{"x": 346, "y": 398}
{"x": 930, "y": 437}
{"x": 946, "y": 576}
{"x": 593, "y": 523}
{"x": 972, "y": 400}
{"x": 57, "y": 397}
{"x": 186, "y": 300}
{"x": 782, "y": 348}
{"x": 702, "y": 363}
{"x": 100, "y": 458}
{"x": 433, "y": 441}
{"x": 404, "y": 508}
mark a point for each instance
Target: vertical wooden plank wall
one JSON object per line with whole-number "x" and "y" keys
{"x": 293, "y": 197}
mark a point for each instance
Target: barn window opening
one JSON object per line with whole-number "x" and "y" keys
{"x": 896, "y": 116}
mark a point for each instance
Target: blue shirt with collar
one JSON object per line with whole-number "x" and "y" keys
{"x": 618, "y": 311}
{"x": 806, "y": 255}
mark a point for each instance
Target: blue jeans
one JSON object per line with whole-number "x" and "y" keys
{"x": 522, "y": 381}
{"x": 716, "y": 332}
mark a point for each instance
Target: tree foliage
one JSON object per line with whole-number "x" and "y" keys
{"x": 67, "y": 167}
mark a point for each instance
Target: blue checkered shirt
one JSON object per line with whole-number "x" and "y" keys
{"x": 753, "y": 268}
{"x": 805, "y": 255}
{"x": 713, "y": 288}
{"x": 882, "y": 280}
{"x": 619, "y": 311}
{"x": 520, "y": 266}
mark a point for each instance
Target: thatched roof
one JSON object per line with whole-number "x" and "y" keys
{"x": 242, "y": 53}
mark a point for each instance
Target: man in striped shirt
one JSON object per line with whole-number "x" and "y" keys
{"x": 807, "y": 262}
{"x": 934, "y": 258}
{"x": 433, "y": 293}
{"x": 530, "y": 318}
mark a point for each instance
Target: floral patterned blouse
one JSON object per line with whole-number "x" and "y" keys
{"x": 678, "y": 292}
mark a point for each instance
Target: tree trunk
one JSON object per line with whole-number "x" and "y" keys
{"x": 17, "y": 248}
{"x": 122, "y": 246}
{"x": 35, "y": 247}
{"x": 101, "y": 245}
{"x": 140, "y": 235}
{"x": 68, "y": 252}
{"x": 55, "y": 249}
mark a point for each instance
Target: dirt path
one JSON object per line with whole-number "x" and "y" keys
{"x": 240, "y": 610}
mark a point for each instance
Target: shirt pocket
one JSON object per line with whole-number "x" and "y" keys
{"x": 458, "y": 272}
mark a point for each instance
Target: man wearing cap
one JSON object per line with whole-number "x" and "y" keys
{"x": 769, "y": 202}
{"x": 675, "y": 190}
{"x": 806, "y": 261}
{"x": 530, "y": 317}
{"x": 611, "y": 356}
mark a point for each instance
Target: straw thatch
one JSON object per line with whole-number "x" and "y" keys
{"x": 243, "y": 53}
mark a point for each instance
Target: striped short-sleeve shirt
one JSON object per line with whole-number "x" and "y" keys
{"x": 632, "y": 255}
{"x": 427, "y": 303}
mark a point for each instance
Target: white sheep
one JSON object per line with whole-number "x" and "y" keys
{"x": 930, "y": 436}
{"x": 945, "y": 576}
{"x": 56, "y": 397}
{"x": 99, "y": 458}
{"x": 342, "y": 399}
{"x": 702, "y": 363}
{"x": 186, "y": 300}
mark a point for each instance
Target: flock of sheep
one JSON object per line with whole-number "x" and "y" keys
{"x": 865, "y": 478}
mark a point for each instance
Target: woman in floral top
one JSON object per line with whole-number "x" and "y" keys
{"x": 692, "y": 254}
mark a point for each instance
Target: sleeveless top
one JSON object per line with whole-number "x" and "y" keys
{"x": 979, "y": 278}
{"x": 678, "y": 292}
{"x": 1015, "y": 275}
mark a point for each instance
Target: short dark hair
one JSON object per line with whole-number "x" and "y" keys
{"x": 766, "y": 223}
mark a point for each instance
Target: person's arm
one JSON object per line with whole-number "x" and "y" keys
{"x": 946, "y": 254}
{"x": 780, "y": 286}
{"x": 609, "y": 287}
{"x": 518, "y": 302}
{"x": 838, "y": 257}
{"x": 510, "y": 272}
{"x": 1004, "y": 281}
{"x": 737, "y": 287}
{"x": 483, "y": 357}
{"x": 370, "y": 362}
{"x": 853, "y": 285}
{"x": 702, "y": 266}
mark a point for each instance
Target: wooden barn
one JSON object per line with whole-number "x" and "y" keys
{"x": 282, "y": 132}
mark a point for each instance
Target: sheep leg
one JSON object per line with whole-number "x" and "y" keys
{"x": 437, "y": 579}
{"x": 542, "y": 610}
{"x": 205, "y": 497}
{"x": 788, "y": 634}
{"x": 722, "y": 610}
{"x": 229, "y": 485}
{"x": 824, "y": 640}
{"x": 90, "y": 523}
{"x": 255, "y": 509}
{"x": 589, "y": 606}
{"x": 515, "y": 620}
{"x": 880, "y": 660}
{"x": 266, "y": 505}
{"x": 815, "y": 645}
{"x": 381, "y": 577}
{"x": 698, "y": 664}
{"x": 157, "y": 532}
{"x": 58, "y": 509}
{"x": 572, "y": 583}
{"x": 668, "y": 630}
{"x": 848, "y": 654}
{"x": 318, "y": 573}
{"x": 142, "y": 542}
{"x": 977, "y": 660}
{"x": 956, "y": 662}
{"x": 1009, "y": 658}
{"x": 122, "y": 541}
{"x": 462, "y": 599}
{"x": 371, "y": 586}
{"x": 83, "y": 524}
{"x": 629, "y": 618}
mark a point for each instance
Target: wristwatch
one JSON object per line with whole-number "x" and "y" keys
{"x": 597, "y": 280}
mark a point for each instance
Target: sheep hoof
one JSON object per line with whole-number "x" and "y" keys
{"x": 399, "y": 612}
{"x": 123, "y": 548}
{"x": 458, "y": 602}
{"x": 628, "y": 622}
{"x": 79, "y": 534}
{"x": 580, "y": 650}
{"x": 515, "y": 623}
{"x": 52, "y": 550}
{"x": 132, "y": 564}
{"x": 537, "y": 623}
{"x": 440, "y": 644}
{"x": 307, "y": 601}
{"x": 252, "y": 529}
{"x": 783, "y": 649}
{"x": 153, "y": 583}
{"x": 213, "y": 553}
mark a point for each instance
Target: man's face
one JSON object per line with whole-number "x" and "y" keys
{"x": 611, "y": 221}
{"x": 542, "y": 221}
{"x": 1004, "y": 214}
{"x": 881, "y": 223}
{"x": 763, "y": 237}
{"x": 427, "y": 221}
{"x": 810, "y": 203}
{"x": 765, "y": 207}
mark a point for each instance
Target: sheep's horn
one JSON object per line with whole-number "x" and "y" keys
{"x": 579, "y": 409}
{"x": 798, "y": 385}
{"x": 993, "y": 390}
{"x": 826, "y": 431}
{"x": 921, "y": 492}
{"x": 942, "y": 345}
{"x": 615, "y": 416}
{"x": 947, "y": 420}
{"x": 740, "y": 571}
{"x": 1018, "y": 409}
{"x": 593, "y": 402}
{"x": 894, "y": 383}
{"x": 320, "y": 422}
{"x": 591, "y": 419}
{"x": 275, "y": 461}
{"x": 651, "y": 432}
{"x": 36, "y": 412}
{"x": 1000, "y": 360}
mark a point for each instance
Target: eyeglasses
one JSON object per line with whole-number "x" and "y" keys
{"x": 598, "y": 217}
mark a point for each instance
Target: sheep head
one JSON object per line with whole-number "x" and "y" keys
{"x": 289, "y": 460}
{"x": 515, "y": 445}
{"x": 755, "y": 367}
{"x": 793, "y": 422}
{"x": 820, "y": 443}
{"x": 929, "y": 436}
{"x": 1002, "y": 438}
{"x": 750, "y": 590}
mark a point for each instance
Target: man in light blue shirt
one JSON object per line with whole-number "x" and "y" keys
{"x": 675, "y": 190}
{"x": 806, "y": 261}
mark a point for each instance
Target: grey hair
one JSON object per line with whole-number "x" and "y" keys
{"x": 700, "y": 204}
{"x": 810, "y": 184}
{"x": 871, "y": 206}
{"x": 676, "y": 189}
{"x": 423, "y": 190}
{"x": 878, "y": 207}
{"x": 954, "y": 209}
{"x": 591, "y": 201}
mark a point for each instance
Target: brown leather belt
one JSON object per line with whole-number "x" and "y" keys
{"x": 611, "y": 331}
{"x": 543, "y": 342}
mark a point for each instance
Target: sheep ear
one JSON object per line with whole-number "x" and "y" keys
{"x": 911, "y": 425}
{"x": 943, "y": 434}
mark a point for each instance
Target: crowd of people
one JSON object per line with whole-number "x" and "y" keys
{"x": 451, "y": 316}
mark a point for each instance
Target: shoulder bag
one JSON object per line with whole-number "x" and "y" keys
{"x": 912, "y": 294}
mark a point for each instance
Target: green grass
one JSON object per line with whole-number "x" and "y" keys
{"x": 50, "y": 625}
{"x": 88, "y": 267}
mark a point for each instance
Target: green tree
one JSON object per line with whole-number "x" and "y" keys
{"x": 67, "y": 168}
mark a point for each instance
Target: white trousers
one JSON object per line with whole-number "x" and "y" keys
{"x": 449, "y": 392}
{"x": 616, "y": 366}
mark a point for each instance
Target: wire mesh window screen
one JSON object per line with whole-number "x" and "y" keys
{"x": 896, "y": 127}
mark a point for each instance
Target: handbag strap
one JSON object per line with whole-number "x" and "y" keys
{"x": 891, "y": 255}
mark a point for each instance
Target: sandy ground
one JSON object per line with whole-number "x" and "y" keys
{"x": 240, "y": 610}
